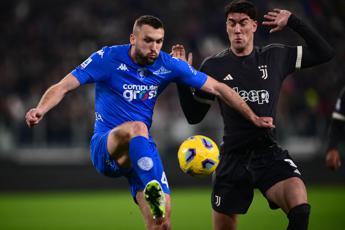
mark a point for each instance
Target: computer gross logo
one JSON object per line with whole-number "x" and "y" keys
{"x": 139, "y": 92}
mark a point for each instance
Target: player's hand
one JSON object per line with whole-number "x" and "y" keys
{"x": 277, "y": 19}
{"x": 333, "y": 159}
{"x": 33, "y": 117}
{"x": 178, "y": 51}
{"x": 264, "y": 122}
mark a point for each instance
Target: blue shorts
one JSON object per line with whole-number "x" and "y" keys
{"x": 107, "y": 166}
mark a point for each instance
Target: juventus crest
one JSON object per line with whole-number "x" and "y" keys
{"x": 263, "y": 69}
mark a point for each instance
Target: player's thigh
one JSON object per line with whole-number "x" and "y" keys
{"x": 119, "y": 138}
{"x": 101, "y": 158}
{"x": 281, "y": 181}
{"x": 232, "y": 185}
{"x": 288, "y": 193}
{"x": 223, "y": 222}
{"x": 145, "y": 210}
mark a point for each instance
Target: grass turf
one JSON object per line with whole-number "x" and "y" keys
{"x": 115, "y": 210}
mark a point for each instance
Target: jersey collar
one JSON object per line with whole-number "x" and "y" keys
{"x": 233, "y": 55}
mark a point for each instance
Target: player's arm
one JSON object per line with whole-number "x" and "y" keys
{"x": 51, "y": 98}
{"x": 317, "y": 49}
{"x": 225, "y": 93}
{"x": 193, "y": 109}
{"x": 234, "y": 100}
{"x": 335, "y": 133}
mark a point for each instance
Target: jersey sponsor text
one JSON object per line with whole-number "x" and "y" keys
{"x": 260, "y": 96}
{"x": 142, "y": 92}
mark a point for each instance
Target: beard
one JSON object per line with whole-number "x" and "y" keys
{"x": 143, "y": 59}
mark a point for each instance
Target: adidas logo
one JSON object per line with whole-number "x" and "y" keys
{"x": 162, "y": 70}
{"x": 228, "y": 78}
{"x": 122, "y": 67}
{"x": 297, "y": 171}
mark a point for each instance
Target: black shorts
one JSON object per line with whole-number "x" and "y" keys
{"x": 260, "y": 164}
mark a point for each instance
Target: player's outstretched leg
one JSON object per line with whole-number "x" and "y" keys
{"x": 143, "y": 159}
{"x": 158, "y": 223}
{"x": 291, "y": 196}
{"x": 155, "y": 197}
{"x": 129, "y": 143}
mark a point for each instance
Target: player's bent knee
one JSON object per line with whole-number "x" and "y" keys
{"x": 138, "y": 128}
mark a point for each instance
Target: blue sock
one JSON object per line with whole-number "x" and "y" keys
{"x": 142, "y": 159}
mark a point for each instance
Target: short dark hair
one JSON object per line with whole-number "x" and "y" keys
{"x": 148, "y": 20}
{"x": 241, "y": 6}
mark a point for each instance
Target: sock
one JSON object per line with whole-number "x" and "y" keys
{"x": 299, "y": 217}
{"x": 142, "y": 159}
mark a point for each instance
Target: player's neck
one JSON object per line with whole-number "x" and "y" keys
{"x": 132, "y": 55}
{"x": 243, "y": 52}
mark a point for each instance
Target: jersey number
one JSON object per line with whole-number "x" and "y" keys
{"x": 164, "y": 179}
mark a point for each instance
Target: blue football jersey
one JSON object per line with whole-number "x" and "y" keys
{"x": 126, "y": 91}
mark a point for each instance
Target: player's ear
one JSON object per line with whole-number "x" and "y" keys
{"x": 132, "y": 39}
{"x": 255, "y": 26}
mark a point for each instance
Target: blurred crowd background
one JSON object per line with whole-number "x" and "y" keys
{"x": 42, "y": 41}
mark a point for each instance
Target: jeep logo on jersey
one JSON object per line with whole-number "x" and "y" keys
{"x": 141, "y": 92}
{"x": 260, "y": 96}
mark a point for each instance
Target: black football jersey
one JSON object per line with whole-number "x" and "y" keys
{"x": 336, "y": 129}
{"x": 339, "y": 110}
{"x": 257, "y": 78}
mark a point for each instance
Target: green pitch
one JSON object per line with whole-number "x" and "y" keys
{"x": 115, "y": 210}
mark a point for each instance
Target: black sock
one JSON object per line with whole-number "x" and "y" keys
{"x": 299, "y": 217}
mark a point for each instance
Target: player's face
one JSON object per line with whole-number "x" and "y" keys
{"x": 146, "y": 44}
{"x": 240, "y": 28}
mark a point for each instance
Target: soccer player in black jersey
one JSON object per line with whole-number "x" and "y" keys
{"x": 251, "y": 157}
{"x": 333, "y": 160}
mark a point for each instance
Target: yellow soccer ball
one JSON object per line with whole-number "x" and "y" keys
{"x": 198, "y": 156}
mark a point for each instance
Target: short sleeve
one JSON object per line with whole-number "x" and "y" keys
{"x": 186, "y": 74}
{"x": 288, "y": 58}
{"x": 94, "y": 68}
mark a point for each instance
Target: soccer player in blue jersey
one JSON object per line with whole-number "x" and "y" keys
{"x": 128, "y": 80}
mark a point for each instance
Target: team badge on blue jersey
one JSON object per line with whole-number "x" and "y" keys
{"x": 142, "y": 72}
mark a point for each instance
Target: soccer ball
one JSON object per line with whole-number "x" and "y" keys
{"x": 198, "y": 156}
